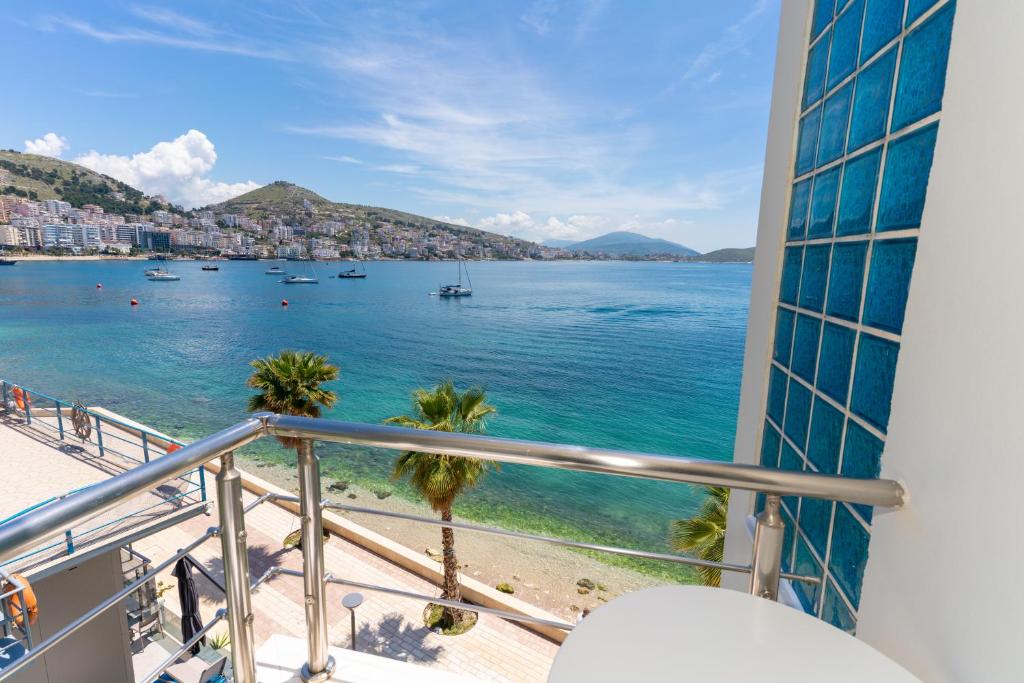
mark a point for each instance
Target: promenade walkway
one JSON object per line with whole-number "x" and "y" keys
{"x": 37, "y": 467}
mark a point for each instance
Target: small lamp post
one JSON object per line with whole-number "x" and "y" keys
{"x": 351, "y": 601}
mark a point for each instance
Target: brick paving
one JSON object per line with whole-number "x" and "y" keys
{"x": 391, "y": 626}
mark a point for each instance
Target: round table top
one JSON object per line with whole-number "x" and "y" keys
{"x": 352, "y": 600}
{"x": 696, "y": 633}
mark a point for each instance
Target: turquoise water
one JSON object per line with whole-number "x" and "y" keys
{"x": 643, "y": 356}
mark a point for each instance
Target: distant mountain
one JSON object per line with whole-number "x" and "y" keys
{"x": 558, "y": 244}
{"x": 727, "y": 256}
{"x": 623, "y": 243}
{"x": 300, "y": 206}
{"x": 40, "y": 178}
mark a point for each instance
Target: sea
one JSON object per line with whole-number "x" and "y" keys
{"x": 644, "y": 356}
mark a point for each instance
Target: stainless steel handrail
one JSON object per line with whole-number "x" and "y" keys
{"x": 44, "y": 522}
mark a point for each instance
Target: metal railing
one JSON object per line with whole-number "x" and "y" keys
{"x": 133, "y": 444}
{"x": 765, "y": 567}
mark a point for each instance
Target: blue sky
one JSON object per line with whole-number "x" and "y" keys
{"x": 541, "y": 118}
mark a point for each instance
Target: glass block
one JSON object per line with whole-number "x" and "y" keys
{"x": 826, "y": 437}
{"x": 885, "y": 304}
{"x": 823, "y": 204}
{"x": 845, "y": 43}
{"x": 788, "y": 539}
{"x": 783, "y": 335}
{"x": 790, "y": 460}
{"x": 804, "y": 563}
{"x": 792, "y": 266}
{"x": 905, "y": 180}
{"x": 849, "y": 553}
{"x": 824, "y": 10}
{"x": 777, "y": 395}
{"x": 798, "y": 413}
{"x": 807, "y": 144}
{"x": 805, "y": 346}
{"x": 862, "y": 458}
{"x": 922, "y": 77}
{"x": 836, "y": 361}
{"x": 817, "y": 64}
{"x": 815, "y": 273}
{"x": 770, "y": 441}
{"x": 915, "y": 8}
{"x": 815, "y": 518}
{"x": 798, "y": 210}
{"x": 834, "y": 120}
{"x": 871, "y": 101}
{"x": 835, "y": 611}
{"x": 875, "y": 370}
{"x": 857, "y": 198}
{"x": 883, "y": 20}
{"x": 847, "y": 279}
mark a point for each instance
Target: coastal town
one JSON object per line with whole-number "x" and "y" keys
{"x": 55, "y": 226}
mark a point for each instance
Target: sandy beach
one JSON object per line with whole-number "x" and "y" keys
{"x": 542, "y": 574}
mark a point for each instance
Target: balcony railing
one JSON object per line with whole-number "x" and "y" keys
{"x": 114, "y": 441}
{"x": 39, "y": 525}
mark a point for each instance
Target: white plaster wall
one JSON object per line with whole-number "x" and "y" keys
{"x": 944, "y": 587}
{"x": 778, "y": 174}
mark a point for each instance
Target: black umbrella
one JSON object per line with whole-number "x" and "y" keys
{"x": 191, "y": 622}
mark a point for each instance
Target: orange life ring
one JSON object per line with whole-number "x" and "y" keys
{"x": 31, "y": 604}
{"x": 171, "y": 447}
{"x": 21, "y": 398}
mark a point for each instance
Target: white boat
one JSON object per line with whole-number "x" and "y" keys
{"x": 302, "y": 279}
{"x": 163, "y": 277}
{"x": 274, "y": 270}
{"x": 154, "y": 271}
{"x": 457, "y": 289}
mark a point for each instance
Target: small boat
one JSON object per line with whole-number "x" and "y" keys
{"x": 458, "y": 289}
{"x": 274, "y": 270}
{"x": 209, "y": 267}
{"x": 353, "y": 274}
{"x": 7, "y": 262}
{"x": 154, "y": 271}
{"x": 300, "y": 280}
{"x": 163, "y": 277}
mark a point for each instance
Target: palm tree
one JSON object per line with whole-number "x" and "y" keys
{"x": 290, "y": 384}
{"x": 441, "y": 478}
{"x": 704, "y": 533}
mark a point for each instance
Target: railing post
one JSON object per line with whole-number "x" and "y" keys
{"x": 99, "y": 436}
{"x": 145, "y": 447}
{"x": 28, "y": 407}
{"x": 320, "y": 665}
{"x": 3, "y": 385}
{"x": 236, "y": 569}
{"x": 766, "y": 559}
{"x": 202, "y": 482}
{"x": 60, "y": 419}
{"x": 69, "y": 541}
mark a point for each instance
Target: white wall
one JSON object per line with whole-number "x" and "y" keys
{"x": 778, "y": 174}
{"x": 943, "y": 590}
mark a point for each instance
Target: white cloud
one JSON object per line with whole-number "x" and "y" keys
{"x": 345, "y": 159}
{"x": 50, "y": 145}
{"x": 537, "y": 16}
{"x": 175, "y": 169}
{"x": 734, "y": 38}
{"x": 453, "y": 221}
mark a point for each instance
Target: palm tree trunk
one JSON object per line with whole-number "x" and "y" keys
{"x": 451, "y": 590}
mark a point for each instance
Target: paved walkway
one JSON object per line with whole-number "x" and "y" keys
{"x": 495, "y": 650}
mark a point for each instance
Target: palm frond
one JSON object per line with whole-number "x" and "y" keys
{"x": 704, "y": 533}
{"x": 291, "y": 383}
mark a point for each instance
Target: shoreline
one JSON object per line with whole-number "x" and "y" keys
{"x": 542, "y": 574}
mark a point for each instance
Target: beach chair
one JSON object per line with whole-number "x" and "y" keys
{"x": 194, "y": 670}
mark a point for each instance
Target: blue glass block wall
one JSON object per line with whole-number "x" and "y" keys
{"x": 870, "y": 108}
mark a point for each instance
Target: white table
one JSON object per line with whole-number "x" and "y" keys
{"x": 694, "y": 633}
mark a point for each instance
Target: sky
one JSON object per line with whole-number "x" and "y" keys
{"x": 545, "y": 119}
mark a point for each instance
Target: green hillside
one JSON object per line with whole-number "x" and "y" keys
{"x": 39, "y": 178}
{"x": 727, "y": 256}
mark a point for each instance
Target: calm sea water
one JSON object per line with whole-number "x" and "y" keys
{"x": 643, "y": 356}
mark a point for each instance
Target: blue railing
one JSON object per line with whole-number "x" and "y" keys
{"x": 116, "y": 440}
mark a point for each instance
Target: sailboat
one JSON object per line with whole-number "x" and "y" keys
{"x": 352, "y": 273}
{"x": 459, "y": 289}
{"x": 302, "y": 279}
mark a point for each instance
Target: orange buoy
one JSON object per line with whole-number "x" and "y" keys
{"x": 31, "y": 606}
{"x": 171, "y": 447}
{"x": 135, "y": 302}
{"x": 284, "y": 302}
{"x": 21, "y": 398}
